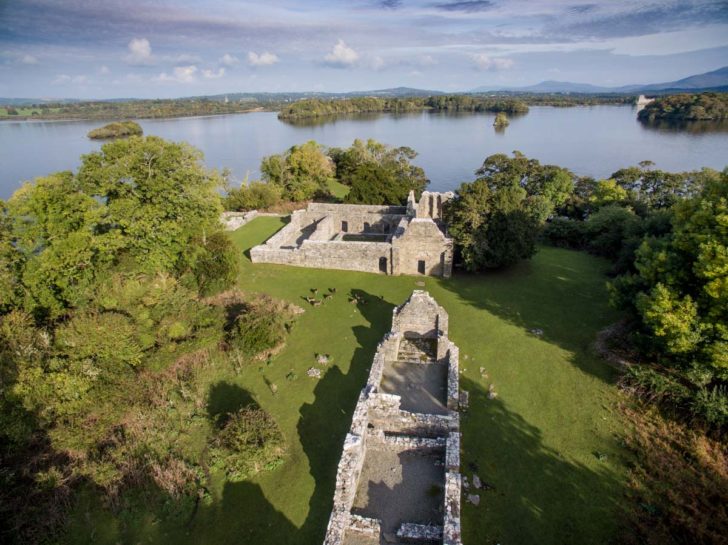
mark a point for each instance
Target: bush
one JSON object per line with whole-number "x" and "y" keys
{"x": 261, "y": 327}
{"x": 248, "y": 441}
{"x": 565, "y": 233}
{"x": 216, "y": 265}
{"x": 606, "y": 230}
{"x": 679, "y": 483}
{"x": 252, "y": 196}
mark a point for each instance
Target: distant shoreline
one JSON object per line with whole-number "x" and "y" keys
{"x": 51, "y": 119}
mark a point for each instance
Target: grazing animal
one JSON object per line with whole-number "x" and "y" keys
{"x": 328, "y": 296}
{"x": 332, "y": 290}
{"x": 316, "y": 303}
{"x": 314, "y": 290}
{"x": 310, "y": 300}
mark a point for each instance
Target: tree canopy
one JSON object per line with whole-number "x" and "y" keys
{"x": 495, "y": 220}
{"x": 377, "y": 173}
{"x": 698, "y": 107}
{"x": 301, "y": 172}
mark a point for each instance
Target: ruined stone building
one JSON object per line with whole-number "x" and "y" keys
{"x": 385, "y": 239}
{"x": 398, "y": 480}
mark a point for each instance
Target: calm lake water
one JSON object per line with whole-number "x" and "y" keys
{"x": 592, "y": 141}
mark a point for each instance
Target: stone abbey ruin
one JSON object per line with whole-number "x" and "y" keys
{"x": 398, "y": 479}
{"x": 381, "y": 239}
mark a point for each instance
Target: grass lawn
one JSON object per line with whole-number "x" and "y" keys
{"x": 546, "y": 445}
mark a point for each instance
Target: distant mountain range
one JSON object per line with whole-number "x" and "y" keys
{"x": 717, "y": 80}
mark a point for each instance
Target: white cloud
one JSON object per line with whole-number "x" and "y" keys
{"x": 104, "y": 70}
{"x": 29, "y": 59}
{"x": 341, "y": 55}
{"x": 377, "y": 63}
{"x": 264, "y": 59}
{"x": 213, "y": 74}
{"x": 485, "y": 62}
{"x": 229, "y": 60}
{"x": 140, "y": 51}
{"x": 180, "y": 74}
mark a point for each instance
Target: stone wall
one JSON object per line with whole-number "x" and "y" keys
{"x": 431, "y": 204}
{"x": 232, "y": 221}
{"x": 379, "y": 420}
{"x": 314, "y": 238}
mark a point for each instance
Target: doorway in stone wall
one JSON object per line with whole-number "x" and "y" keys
{"x": 383, "y": 264}
{"x": 421, "y": 266}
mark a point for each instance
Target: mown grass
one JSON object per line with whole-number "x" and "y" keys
{"x": 546, "y": 446}
{"x": 337, "y": 189}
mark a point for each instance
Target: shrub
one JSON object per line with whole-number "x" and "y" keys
{"x": 679, "y": 483}
{"x": 248, "y": 441}
{"x": 216, "y": 264}
{"x": 606, "y": 230}
{"x": 260, "y": 327}
{"x": 565, "y": 233}
{"x": 253, "y": 196}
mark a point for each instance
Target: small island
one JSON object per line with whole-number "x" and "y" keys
{"x": 118, "y": 129}
{"x": 316, "y": 107}
{"x": 501, "y": 121}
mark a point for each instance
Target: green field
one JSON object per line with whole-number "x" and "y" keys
{"x": 547, "y": 444}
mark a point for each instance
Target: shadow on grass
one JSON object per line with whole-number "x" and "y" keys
{"x": 325, "y": 422}
{"x": 226, "y": 398}
{"x": 559, "y": 297}
{"x": 542, "y": 497}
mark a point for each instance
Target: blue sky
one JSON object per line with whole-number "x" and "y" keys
{"x": 162, "y": 48}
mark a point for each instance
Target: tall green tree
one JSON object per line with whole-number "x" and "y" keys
{"x": 495, "y": 219}
{"x": 679, "y": 295}
{"x": 158, "y": 197}
{"x": 55, "y": 230}
{"x": 300, "y": 173}
{"x": 377, "y": 173}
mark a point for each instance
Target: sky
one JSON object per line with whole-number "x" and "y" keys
{"x": 164, "y": 48}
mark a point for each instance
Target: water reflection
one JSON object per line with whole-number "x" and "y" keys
{"x": 692, "y": 127}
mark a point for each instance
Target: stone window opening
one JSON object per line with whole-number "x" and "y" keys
{"x": 421, "y": 266}
{"x": 344, "y": 226}
{"x": 383, "y": 264}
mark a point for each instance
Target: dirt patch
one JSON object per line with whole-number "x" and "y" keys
{"x": 422, "y": 387}
{"x": 397, "y": 487}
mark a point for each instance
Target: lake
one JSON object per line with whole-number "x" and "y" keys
{"x": 595, "y": 140}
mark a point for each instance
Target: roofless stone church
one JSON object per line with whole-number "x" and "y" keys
{"x": 385, "y": 239}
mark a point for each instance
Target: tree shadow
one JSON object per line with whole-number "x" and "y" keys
{"x": 225, "y": 398}
{"x": 399, "y": 487}
{"x": 325, "y": 422}
{"x": 557, "y": 300}
{"x": 531, "y": 493}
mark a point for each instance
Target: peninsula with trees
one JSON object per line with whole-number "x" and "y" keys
{"x": 685, "y": 107}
